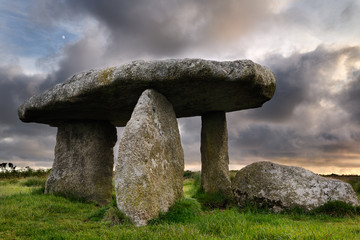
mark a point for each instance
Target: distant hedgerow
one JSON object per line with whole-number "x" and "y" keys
{"x": 28, "y": 172}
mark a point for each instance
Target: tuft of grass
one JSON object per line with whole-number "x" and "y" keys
{"x": 98, "y": 214}
{"x": 192, "y": 188}
{"x": 233, "y": 174}
{"x": 8, "y": 182}
{"x": 336, "y": 209}
{"x": 189, "y": 189}
{"x": 254, "y": 207}
{"x": 13, "y": 181}
{"x": 115, "y": 217}
{"x": 34, "y": 182}
{"x": 197, "y": 179}
{"x": 110, "y": 214}
{"x": 73, "y": 198}
{"x": 296, "y": 211}
{"x": 192, "y": 185}
{"x": 185, "y": 210}
{"x": 215, "y": 200}
{"x": 38, "y": 190}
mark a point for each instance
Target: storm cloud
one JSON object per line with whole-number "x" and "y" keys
{"x": 313, "y": 117}
{"x": 159, "y": 28}
{"x": 311, "y": 46}
{"x": 22, "y": 145}
{"x": 311, "y": 121}
{"x": 350, "y": 98}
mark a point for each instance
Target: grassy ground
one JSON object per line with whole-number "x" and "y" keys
{"x": 26, "y": 213}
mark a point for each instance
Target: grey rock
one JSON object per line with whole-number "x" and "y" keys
{"x": 84, "y": 161}
{"x": 215, "y": 176}
{"x": 150, "y": 166}
{"x": 193, "y": 86}
{"x": 284, "y": 187}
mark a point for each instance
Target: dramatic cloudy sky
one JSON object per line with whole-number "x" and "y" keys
{"x": 312, "y": 46}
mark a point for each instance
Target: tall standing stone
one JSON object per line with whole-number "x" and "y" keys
{"x": 150, "y": 166}
{"x": 84, "y": 161}
{"x": 215, "y": 176}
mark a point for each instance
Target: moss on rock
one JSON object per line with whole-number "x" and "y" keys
{"x": 106, "y": 76}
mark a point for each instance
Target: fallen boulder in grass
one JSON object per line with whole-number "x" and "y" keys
{"x": 284, "y": 187}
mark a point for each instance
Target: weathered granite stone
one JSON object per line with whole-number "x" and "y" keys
{"x": 150, "y": 166}
{"x": 84, "y": 161}
{"x": 283, "y": 187}
{"x": 215, "y": 176}
{"x": 193, "y": 86}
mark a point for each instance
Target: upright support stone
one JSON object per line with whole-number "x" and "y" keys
{"x": 215, "y": 176}
{"x": 150, "y": 167}
{"x": 84, "y": 161}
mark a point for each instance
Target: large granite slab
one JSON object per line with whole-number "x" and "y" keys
{"x": 193, "y": 86}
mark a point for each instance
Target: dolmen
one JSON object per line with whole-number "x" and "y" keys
{"x": 146, "y": 98}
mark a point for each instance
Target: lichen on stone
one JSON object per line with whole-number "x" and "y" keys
{"x": 106, "y": 76}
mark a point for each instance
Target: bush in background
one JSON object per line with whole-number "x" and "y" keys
{"x": 27, "y": 172}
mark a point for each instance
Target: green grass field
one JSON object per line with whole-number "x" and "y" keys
{"x": 26, "y": 213}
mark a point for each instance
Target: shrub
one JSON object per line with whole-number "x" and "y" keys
{"x": 191, "y": 175}
{"x": 188, "y": 174}
{"x": 29, "y": 172}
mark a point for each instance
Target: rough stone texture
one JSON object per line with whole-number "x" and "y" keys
{"x": 215, "y": 176}
{"x": 150, "y": 166}
{"x": 84, "y": 161}
{"x": 193, "y": 86}
{"x": 283, "y": 187}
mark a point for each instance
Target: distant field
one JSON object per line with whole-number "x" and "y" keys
{"x": 26, "y": 213}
